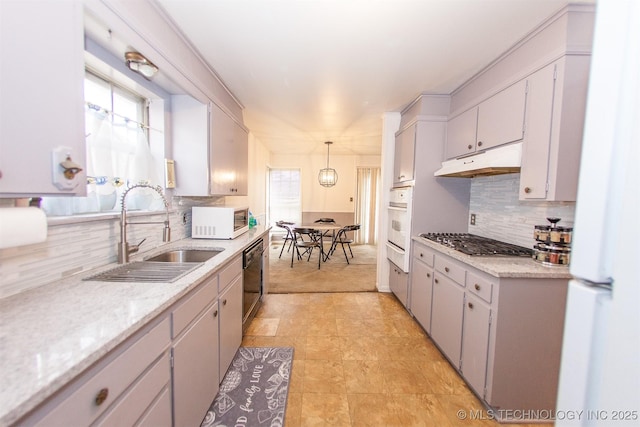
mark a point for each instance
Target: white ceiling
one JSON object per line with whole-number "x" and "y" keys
{"x": 307, "y": 71}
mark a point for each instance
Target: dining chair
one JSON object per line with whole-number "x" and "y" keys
{"x": 329, "y": 220}
{"x": 325, "y": 221}
{"x": 288, "y": 238}
{"x": 343, "y": 239}
{"x": 314, "y": 240}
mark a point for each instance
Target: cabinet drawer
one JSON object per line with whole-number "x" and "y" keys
{"x": 82, "y": 406}
{"x": 450, "y": 269}
{"x": 229, "y": 273}
{"x": 188, "y": 310}
{"x": 424, "y": 254}
{"x": 479, "y": 286}
{"x": 136, "y": 401}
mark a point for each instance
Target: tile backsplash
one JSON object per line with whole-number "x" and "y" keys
{"x": 501, "y": 216}
{"x": 75, "y": 246}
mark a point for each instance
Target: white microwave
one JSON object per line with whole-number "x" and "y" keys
{"x": 218, "y": 222}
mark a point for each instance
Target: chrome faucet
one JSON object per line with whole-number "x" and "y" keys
{"x": 124, "y": 248}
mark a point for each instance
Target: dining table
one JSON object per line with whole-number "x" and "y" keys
{"x": 323, "y": 227}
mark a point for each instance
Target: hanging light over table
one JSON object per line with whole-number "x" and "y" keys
{"x": 328, "y": 176}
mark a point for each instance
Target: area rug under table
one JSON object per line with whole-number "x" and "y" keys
{"x": 254, "y": 390}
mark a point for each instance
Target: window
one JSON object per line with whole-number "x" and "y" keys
{"x": 125, "y": 105}
{"x": 285, "y": 202}
{"x": 118, "y": 154}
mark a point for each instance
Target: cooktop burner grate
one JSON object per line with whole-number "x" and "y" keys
{"x": 471, "y": 244}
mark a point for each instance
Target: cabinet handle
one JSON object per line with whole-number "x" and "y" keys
{"x": 479, "y": 143}
{"x": 477, "y": 287}
{"x": 215, "y": 314}
{"x": 469, "y": 146}
{"x": 421, "y": 254}
{"x": 470, "y": 305}
{"x": 428, "y": 274}
{"x": 436, "y": 280}
{"x": 527, "y": 190}
{"x": 224, "y": 302}
{"x": 446, "y": 269}
{"x": 102, "y": 396}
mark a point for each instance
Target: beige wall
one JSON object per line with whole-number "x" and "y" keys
{"x": 316, "y": 198}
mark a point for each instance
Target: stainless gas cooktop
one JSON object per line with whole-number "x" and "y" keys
{"x": 471, "y": 244}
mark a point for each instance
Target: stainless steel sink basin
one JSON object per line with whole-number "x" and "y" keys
{"x": 186, "y": 255}
{"x": 144, "y": 271}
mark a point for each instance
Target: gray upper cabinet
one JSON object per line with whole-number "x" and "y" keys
{"x": 210, "y": 150}
{"x": 461, "y": 134}
{"x": 229, "y": 155}
{"x": 41, "y": 113}
{"x": 496, "y": 121}
{"x": 403, "y": 161}
{"x": 555, "y": 121}
{"x": 501, "y": 117}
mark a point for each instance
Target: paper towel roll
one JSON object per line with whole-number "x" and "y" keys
{"x": 22, "y": 226}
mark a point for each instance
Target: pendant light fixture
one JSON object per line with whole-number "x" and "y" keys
{"x": 328, "y": 176}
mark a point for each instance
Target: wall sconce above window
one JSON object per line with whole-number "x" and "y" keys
{"x": 138, "y": 63}
{"x": 328, "y": 177}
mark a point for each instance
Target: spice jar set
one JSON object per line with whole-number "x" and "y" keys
{"x": 554, "y": 243}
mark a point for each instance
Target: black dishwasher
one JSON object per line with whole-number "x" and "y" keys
{"x": 251, "y": 281}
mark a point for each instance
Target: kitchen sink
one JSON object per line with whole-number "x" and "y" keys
{"x": 145, "y": 271}
{"x": 185, "y": 255}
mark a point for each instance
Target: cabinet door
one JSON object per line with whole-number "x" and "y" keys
{"x": 241, "y": 141}
{"x": 446, "y": 317}
{"x": 475, "y": 342}
{"x": 461, "y": 134}
{"x": 190, "y": 133}
{"x": 555, "y": 122}
{"x": 535, "y": 151}
{"x": 501, "y": 117}
{"x": 230, "y": 303}
{"x": 195, "y": 369}
{"x": 403, "y": 162}
{"x": 41, "y": 111}
{"x": 398, "y": 282}
{"x": 421, "y": 289}
{"x": 229, "y": 151}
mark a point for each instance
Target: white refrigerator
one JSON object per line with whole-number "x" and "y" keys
{"x": 600, "y": 366}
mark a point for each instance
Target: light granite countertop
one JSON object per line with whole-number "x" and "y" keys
{"x": 51, "y": 334}
{"x": 502, "y": 266}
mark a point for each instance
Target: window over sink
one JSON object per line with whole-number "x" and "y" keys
{"x": 119, "y": 121}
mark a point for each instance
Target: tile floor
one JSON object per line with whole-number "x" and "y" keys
{"x": 361, "y": 360}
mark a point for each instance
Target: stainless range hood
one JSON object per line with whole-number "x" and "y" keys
{"x": 495, "y": 161}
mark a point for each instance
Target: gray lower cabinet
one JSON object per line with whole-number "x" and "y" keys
{"x": 446, "y": 317}
{"x": 230, "y": 304}
{"x": 399, "y": 283}
{"x": 421, "y": 285}
{"x": 475, "y": 342}
{"x": 421, "y": 290}
{"x": 503, "y": 334}
{"x": 196, "y": 355}
{"x": 168, "y": 373}
{"x": 138, "y": 371}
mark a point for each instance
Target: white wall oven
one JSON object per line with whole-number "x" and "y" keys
{"x": 399, "y": 226}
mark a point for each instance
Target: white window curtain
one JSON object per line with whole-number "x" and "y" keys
{"x": 118, "y": 155}
{"x": 285, "y": 203}
{"x": 368, "y": 194}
